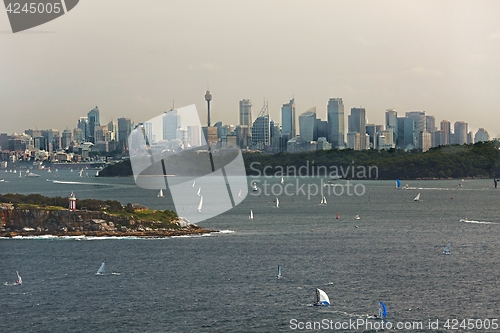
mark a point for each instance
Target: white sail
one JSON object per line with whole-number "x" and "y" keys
{"x": 81, "y": 173}
{"x": 255, "y": 189}
{"x": 321, "y": 298}
{"x": 417, "y": 198}
{"x": 193, "y": 184}
{"x": 447, "y": 249}
{"x": 19, "y": 279}
{"x": 357, "y": 217}
{"x": 160, "y": 194}
{"x": 282, "y": 180}
{"x": 239, "y": 194}
{"x": 199, "y": 192}
{"x": 97, "y": 173}
{"x": 323, "y": 200}
{"x": 277, "y": 203}
{"x": 201, "y": 204}
{"x": 101, "y": 269}
{"x": 279, "y": 272}
{"x": 251, "y": 215}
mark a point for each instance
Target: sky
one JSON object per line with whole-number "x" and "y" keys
{"x": 137, "y": 59}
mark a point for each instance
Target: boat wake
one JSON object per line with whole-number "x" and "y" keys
{"x": 478, "y": 222}
{"x": 76, "y": 183}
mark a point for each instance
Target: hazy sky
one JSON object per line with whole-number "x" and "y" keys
{"x": 133, "y": 58}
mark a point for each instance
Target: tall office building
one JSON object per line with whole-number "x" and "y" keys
{"x": 124, "y": 130}
{"x": 260, "y": 129}
{"x": 391, "y": 122}
{"x": 288, "y": 118}
{"x": 307, "y": 122}
{"x": 246, "y": 113}
{"x": 419, "y": 126}
{"x": 336, "y": 122}
{"x": 93, "y": 120}
{"x": 430, "y": 124}
{"x": 66, "y": 139}
{"x": 357, "y": 123}
{"x": 460, "y": 132}
{"x": 171, "y": 122}
{"x": 82, "y": 125}
{"x": 405, "y": 139}
{"x": 445, "y": 127}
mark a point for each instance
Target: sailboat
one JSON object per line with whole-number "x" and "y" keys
{"x": 279, "y": 272}
{"x": 160, "y": 194}
{"x": 417, "y": 198}
{"x": 81, "y": 172}
{"x": 20, "y": 174}
{"x": 277, "y": 203}
{"x": 255, "y": 189}
{"x": 321, "y": 298}
{"x": 357, "y": 217}
{"x": 199, "y": 192}
{"x": 382, "y": 310}
{"x": 97, "y": 173}
{"x": 18, "y": 282}
{"x": 239, "y": 194}
{"x": 251, "y": 215}
{"x": 282, "y": 180}
{"x": 200, "y": 205}
{"x": 101, "y": 269}
{"x": 447, "y": 249}
{"x": 323, "y": 200}
{"x": 49, "y": 170}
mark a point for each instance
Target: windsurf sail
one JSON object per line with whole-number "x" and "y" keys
{"x": 199, "y": 192}
{"x": 382, "y": 310}
{"x": 279, "y": 272}
{"x": 417, "y": 198}
{"x": 101, "y": 269}
{"x": 447, "y": 249}
{"x": 398, "y": 183}
{"x": 282, "y": 180}
{"x": 251, "y": 215}
{"x": 19, "y": 279}
{"x": 321, "y": 298}
{"x": 277, "y": 203}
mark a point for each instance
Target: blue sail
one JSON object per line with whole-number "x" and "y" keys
{"x": 398, "y": 183}
{"x": 382, "y": 310}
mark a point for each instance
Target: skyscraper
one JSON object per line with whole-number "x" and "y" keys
{"x": 419, "y": 126}
{"x": 391, "y": 122}
{"x": 357, "y": 123}
{"x": 94, "y": 120}
{"x": 288, "y": 118}
{"x": 260, "y": 129}
{"x": 124, "y": 129}
{"x": 481, "y": 135}
{"x": 171, "y": 122}
{"x": 460, "y": 131}
{"x": 246, "y": 112}
{"x": 445, "y": 126}
{"x": 307, "y": 126}
{"x": 336, "y": 122}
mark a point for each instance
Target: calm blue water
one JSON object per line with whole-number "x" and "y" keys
{"x": 227, "y": 282}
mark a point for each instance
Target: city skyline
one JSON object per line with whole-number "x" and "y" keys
{"x": 439, "y": 57}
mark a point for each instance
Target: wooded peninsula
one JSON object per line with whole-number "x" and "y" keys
{"x": 480, "y": 160}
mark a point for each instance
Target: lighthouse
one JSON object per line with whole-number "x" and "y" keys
{"x": 72, "y": 201}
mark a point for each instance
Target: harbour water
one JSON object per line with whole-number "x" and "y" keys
{"x": 226, "y": 282}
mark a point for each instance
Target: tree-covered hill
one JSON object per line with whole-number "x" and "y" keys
{"x": 480, "y": 160}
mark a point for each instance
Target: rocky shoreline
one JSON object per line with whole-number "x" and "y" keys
{"x": 62, "y": 222}
{"x": 185, "y": 231}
